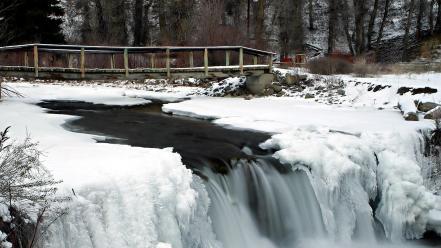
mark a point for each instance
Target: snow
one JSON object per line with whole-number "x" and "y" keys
{"x": 149, "y": 192}
{"x": 34, "y": 93}
{"x": 352, "y": 152}
{"x": 407, "y": 106}
{"x": 357, "y": 93}
{"x": 277, "y": 115}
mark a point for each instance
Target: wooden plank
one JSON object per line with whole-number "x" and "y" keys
{"x": 241, "y": 60}
{"x": 36, "y": 61}
{"x": 126, "y": 61}
{"x": 112, "y": 61}
{"x": 191, "y": 62}
{"x": 83, "y": 63}
{"x": 206, "y": 61}
{"x": 69, "y": 60}
{"x": 168, "y": 62}
{"x": 26, "y": 61}
{"x": 152, "y": 60}
{"x": 227, "y": 58}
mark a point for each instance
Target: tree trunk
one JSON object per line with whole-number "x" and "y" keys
{"x": 162, "y": 23}
{"x": 102, "y": 30}
{"x": 259, "y": 27}
{"x": 139, "y": 23}
{"x": 407, "y": 30}
{"x": 384, "y": 20}
{"x": 438, "y": 17}
{"x": 432, "y": 2}
{"x": 332, "y": 22}
{"x": 372, "y": 24}
{"x": 346, "y": 17}
{"x": 311, "y": 14}
{"x": 360, "y": 13}
{"x": 421, "y": 12}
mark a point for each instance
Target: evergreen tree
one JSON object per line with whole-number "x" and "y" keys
{"x": 29, "y": 21}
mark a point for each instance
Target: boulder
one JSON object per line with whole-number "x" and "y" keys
{"x": 291, "y": 80}
{"x": 427, "y": 106}
{"x": 341, "y": 92}
{"x": 433, "y": 114}
{"x": 257, "y": 84}
{"x": 268, "y": 92}
{"x": 276, "y": 87}
{"x": 410, "y": 116}
{"x": 309, "y": 96}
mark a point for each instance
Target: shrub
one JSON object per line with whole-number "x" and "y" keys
{"x": 28, "y": 191}
{"x": 329, "y": 66}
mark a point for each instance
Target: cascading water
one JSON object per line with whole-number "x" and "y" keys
{"x": 261, "y": 204}
{"x": 257, "y": 206}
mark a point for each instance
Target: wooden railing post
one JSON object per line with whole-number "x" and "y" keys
{"x": 112, "y": 61}
{"x": 241, "y": 60}
{"x": 227, "y": 58}
{"x": 152, "y": 60}
{"x": 255, "y": 60}
{"x": 168, "y": 62}
{"x": 191, "y": 62}
{"x": 126, "y": 61}
{"x": 36, "y": 60}
{"x": 83, "y": 63}
{"x": 26, "y": 62}
{"x": 270, "y": 63}
{"x": 69, "y": 60}
{"x": 206, "y": 61}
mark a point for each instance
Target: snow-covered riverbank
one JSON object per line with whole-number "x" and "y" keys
{"x": 354, "y": 154}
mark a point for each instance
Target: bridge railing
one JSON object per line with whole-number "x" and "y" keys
{"x": 126, "y": 60}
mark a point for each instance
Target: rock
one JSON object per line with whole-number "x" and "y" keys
{"x": 276, "y": 87}
{"x": 410, "y": 116}
{"x": 291, "y": 80}
{"x": 426, "y": 106}
{"x": 257, "y": 84}
{"x": 268, "y": 92}
{"x": 319, "y": 88}
{"x": 309, "y": 82}
{"x": 249, "y": 97}
{"x": 341, "y": 92}
{"x": 302, "y": 77}
{"x": 433, "y": 114}
{"x": 309, "y": 96}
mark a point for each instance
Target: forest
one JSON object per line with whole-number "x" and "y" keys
{"x": 284, "y": 26}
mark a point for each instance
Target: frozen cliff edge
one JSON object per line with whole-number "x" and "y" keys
{"x": 350, "y": 171}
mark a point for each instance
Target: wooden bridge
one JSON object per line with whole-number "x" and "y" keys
{"x": 75, "y": 62}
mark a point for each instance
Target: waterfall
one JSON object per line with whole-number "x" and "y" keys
{"x": 255, "y": 205}
{"x": 258, "y": 203}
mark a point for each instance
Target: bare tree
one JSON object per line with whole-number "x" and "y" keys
{"x": 407, "y": 29}
{"x": 421, "y": 13}
{"x": 27, "y": 188}
{"x": 332, "y": 24}
{"x": 372, "y": 18}
{"x": 384, "y": 20}
{"x": 311, "y": 14}
{"x": 6, "y": 35}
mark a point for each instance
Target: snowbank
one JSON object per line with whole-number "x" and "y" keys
{"x": 282, "y": 114}
{"x": 34, "y": 93}
{"x": 354, "y": 154}
{"x": 122, "y": 196}
{"x": 348, "y": 170}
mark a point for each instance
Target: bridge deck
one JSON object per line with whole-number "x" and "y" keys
{"x": 99, "y": 62}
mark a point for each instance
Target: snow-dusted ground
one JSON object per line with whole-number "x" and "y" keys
{"x": 353, "y": 152}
